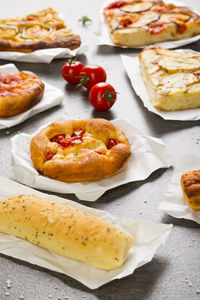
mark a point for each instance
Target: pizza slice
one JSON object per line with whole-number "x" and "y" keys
{"x": 140, "y": 22}
{"x": 41, "y": 30}
{"x": 19, "y": 92}
{"x": 172, "y": 78}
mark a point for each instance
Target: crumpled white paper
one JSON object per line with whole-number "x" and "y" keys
{"x": 148, "y": 237}
{"x": 148, "y": 155}
{"x": 52, "y": 97}
{"x": 174, "y": 203}
{"x": 43, "y": 55}
{"x": 132, "y": 67}
{"x": 102, "y": 36}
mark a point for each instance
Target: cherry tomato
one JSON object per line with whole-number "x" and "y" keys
{"x": 92, "y": 74}
{"x": 102, "y": 96}
{"x": 71, "y": 71}
{"x": 116, "y": 4}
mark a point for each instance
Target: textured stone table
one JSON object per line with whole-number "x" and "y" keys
{"x": 174, "y": 272}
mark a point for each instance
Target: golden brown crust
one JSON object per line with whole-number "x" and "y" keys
{"x": 137, "y": 23}
{"x": 87, "y": 159}
{"x": 19, "y": 92}
{"x": 65, "y": 230}
{"x": 70, "y": 42}
{"x": 42, "y": 30}
{"x": 190, "y": 183}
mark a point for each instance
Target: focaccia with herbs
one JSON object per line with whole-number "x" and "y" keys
{"x": 172, "y": 78}
{"x": 138, "y": 23}
{"x": 42, "y": 30}
{"x": 19, "y": 92}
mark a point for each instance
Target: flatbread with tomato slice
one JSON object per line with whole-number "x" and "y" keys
{"x": 138, "y": 23}
{"x": 41, "y": 30}
{"x": 19, "y": 92}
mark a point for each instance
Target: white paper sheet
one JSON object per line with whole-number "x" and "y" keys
{"x": 102, "y": 36}
{"x": 43, "y": 55}
{"x": 173, "y": 203}
{"x": 148, "y": 237}
{"x": 132, "y": 67}
{"x": 52, "y": 97}
{"x": 148, "y": 155}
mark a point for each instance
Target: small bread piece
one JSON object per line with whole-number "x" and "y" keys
{"x": 79, "y": 150}
{"x": 139, "y": 22}
{"x": 19, "y": 92}
{"x": 172, "y": 78}
{"x": 190, "y": 183}
{"x": 65, "y": 230}
{"x": 42, "y": 30}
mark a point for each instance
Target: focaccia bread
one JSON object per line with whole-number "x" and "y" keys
{"x": 79, "y": 150}
{"x": 65, "y": 230}
{"x": 19, "y": 92}
{"x": 140, "y": 22}
{"x": 41, "y": 30}
{"x": 190, "y": 183}
{"x": 172, "y": 78}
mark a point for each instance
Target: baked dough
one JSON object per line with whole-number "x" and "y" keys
{"x": 19, "y": 92}
{"x": 41, "y": 30}
{"x": 138, "y": 23}
{"x": 65, "y": 230}
{"x": 79, "y": 150}
{"x": 190, "y": 183}
{"x": 172, "y": 78}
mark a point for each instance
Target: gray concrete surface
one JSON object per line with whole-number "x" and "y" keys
{"x": 174, "y": 273}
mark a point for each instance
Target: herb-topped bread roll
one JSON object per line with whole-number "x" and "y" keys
{"x": 190, "y": 183}
{"x": 65, "y": 230}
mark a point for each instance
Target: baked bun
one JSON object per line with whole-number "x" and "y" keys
{"x": 190, "y": 183}
{"x": 79, "y": 150}
{"x": 65, "y": 230}
{"x": 19, "y": 92}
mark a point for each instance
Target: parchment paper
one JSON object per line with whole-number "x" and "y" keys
{"x": 148, "y": 237}
{"x": 148, "y": 155}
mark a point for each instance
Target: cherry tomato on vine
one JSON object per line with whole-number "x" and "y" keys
{"x": 92, "y": 74}
{"x": 102, "y": 96}
{"x": 71, "y": 71}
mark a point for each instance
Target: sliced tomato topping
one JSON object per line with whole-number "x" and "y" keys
{"x": 65, "y": 142}
{"x": 99, "y": 152}
{"x": 116, "y": 4}
{"x": 124, "y": 22}
{"x": 76, "y": 138}
{"x": 8, "y": 84}
{"x": 111, "y": 143}
{"x": 56, "y": 138}
{"x": 10, "y": 79}
{"x": 156, "y": 27}
{"x": 181, "y": 28}
{"x": 48, "y": 155}
{"x": 161, "y": 9}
